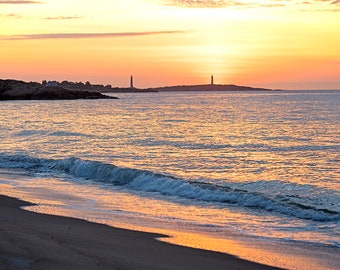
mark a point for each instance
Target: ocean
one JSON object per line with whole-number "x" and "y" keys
{"x": 255, "y": 174}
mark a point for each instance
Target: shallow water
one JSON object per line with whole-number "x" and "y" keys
{"x": 262, "y": 165}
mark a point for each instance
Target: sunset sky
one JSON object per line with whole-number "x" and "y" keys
{"x": 275, "y": 43}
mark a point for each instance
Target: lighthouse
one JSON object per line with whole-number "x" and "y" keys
{"x": 131, "y": 82}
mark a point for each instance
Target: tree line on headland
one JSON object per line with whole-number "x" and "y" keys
{"x": 87, "y": 86}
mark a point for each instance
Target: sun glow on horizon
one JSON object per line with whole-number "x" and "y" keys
{"x": 173, "y": 42}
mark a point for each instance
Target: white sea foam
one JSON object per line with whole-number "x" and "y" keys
{"x": 260, "y": 195}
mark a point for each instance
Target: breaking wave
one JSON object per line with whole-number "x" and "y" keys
{"x": 254, "y": 195}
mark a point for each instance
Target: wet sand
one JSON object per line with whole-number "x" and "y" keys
{"x": 36, "y": 241}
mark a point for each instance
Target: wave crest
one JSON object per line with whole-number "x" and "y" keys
{"x": 147, "y": 181}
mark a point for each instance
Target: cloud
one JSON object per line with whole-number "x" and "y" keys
{"x": 19, "y": 2}
{"x": 63, "y": 18}
{"x": 202, "y": 3}
{"x": 331, "y": 2}
{"x": 11, "y": 15}
{"x": 85, "y": 35}
{"x": 245, "y": 3}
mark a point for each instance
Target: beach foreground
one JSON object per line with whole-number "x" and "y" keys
{"x": 35, "y": 241}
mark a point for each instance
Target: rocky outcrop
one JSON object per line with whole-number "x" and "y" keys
{"x": 19, "y": 90}
{"x": 209, "y": 87}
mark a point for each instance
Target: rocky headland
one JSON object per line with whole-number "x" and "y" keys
{"x": 209, "y": 87}
{"x": 80, "y": 86}
{"x": 20, "y": 90}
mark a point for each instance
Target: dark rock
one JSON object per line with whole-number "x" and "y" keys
{"x": 19, "y": 90}
{"x": 209, "y": 87}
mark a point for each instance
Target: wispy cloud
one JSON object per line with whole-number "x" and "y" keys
{"x": 11, "y": 15}
{"x": 86, "y": 35}
{"x": 64, "y": 18}
{"x": 246, "y": 3}
{"x": 330, "y": 2}
{"x": 15, "y": 2}
{"x": 202, "y": 3}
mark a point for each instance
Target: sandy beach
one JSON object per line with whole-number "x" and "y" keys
{"x": 35, "y": 241}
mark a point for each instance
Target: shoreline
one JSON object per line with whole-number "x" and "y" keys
{"x": 38, "y": 241}
{"x": 282, "y": 255}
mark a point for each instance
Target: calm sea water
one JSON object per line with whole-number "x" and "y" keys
{"x": 262, "y": 165}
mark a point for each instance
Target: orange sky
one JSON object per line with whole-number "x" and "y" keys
{"x": 277, "y": 44}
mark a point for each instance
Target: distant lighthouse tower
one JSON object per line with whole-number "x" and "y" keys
{"x": 131, "y": 82}
{"x": 212, "y": 80}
